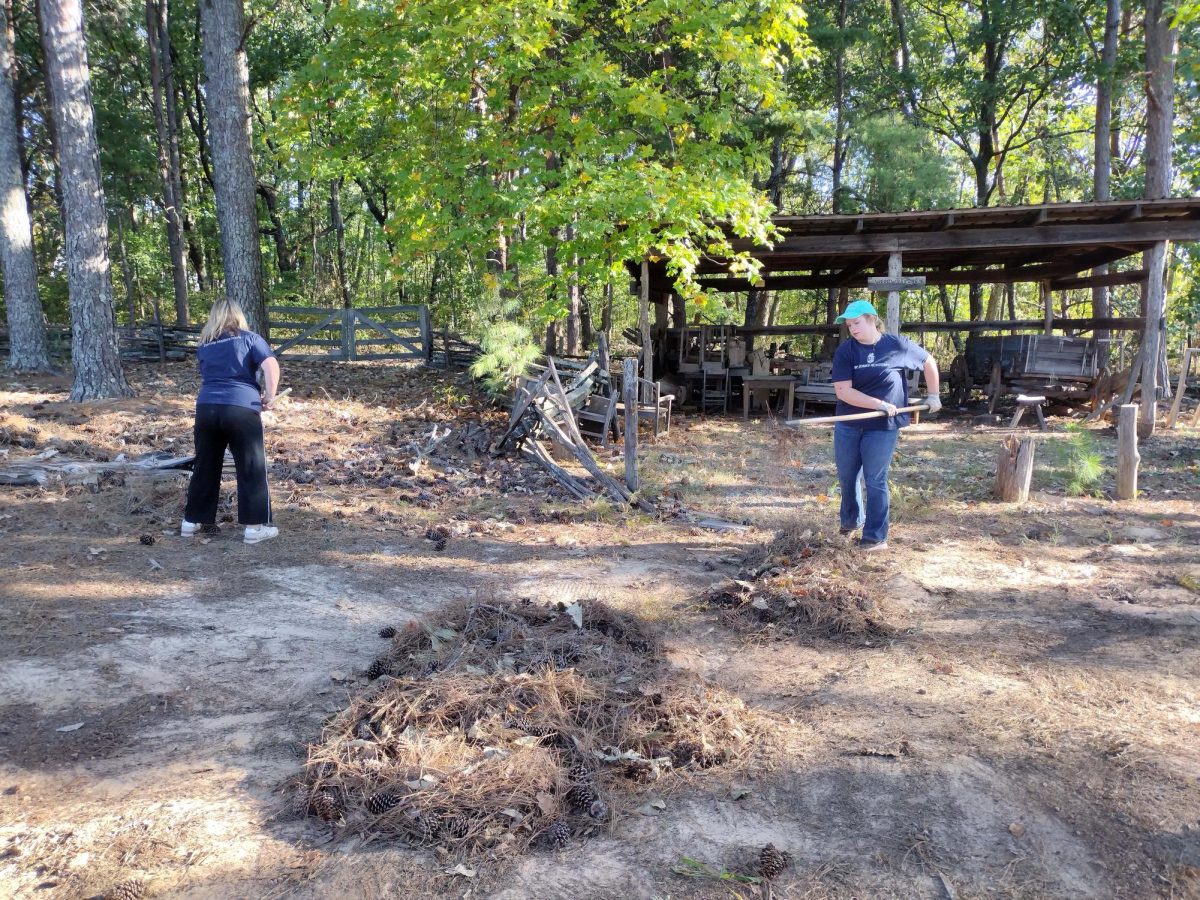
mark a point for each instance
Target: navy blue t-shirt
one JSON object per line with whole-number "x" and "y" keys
{"x": 229, "y": 370}
{"x": 878, "y": 371}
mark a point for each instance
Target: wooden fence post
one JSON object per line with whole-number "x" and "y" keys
{"x": 426, "y": 333}
{"x": 1185, "y": 363}
{"x": 630, "y": 386}
{"x": 1127, "y": 452}
{"x": 347, "y": 334}
{"x": 1014, "y": 469}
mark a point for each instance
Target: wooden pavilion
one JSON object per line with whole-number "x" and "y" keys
{"x": 1059, "y": 246}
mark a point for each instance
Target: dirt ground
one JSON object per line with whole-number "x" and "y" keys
{"x": 1031, "y": 730}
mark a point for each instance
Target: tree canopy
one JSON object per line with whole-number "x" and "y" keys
{"x": 502, "y": 161}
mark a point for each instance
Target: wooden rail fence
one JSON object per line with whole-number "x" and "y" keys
{"x": 323, "y": 333}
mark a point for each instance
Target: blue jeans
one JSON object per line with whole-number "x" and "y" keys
{"x": 870, "y": 452}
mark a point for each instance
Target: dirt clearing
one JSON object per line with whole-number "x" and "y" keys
{"x": 1024, "y": 723}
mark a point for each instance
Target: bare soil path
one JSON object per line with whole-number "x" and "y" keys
{"x": 1030, "y": 731}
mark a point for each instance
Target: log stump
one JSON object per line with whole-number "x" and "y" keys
{"x": 1014, "y": 469}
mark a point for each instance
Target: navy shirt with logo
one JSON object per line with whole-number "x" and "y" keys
{"x": 878, "y": 371}
{"x": 229, "y": 370}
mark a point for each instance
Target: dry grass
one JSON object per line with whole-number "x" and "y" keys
{"x": 497, "y": 721}
{"x": 793, "y": 588}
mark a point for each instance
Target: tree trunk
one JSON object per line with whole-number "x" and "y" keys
{"x": 1160, "y": 116}
{"x": 94, "y": 350}
{"x": 644, "y": 323}
{"x": 948, "y": 313}
{"x": 339, "y": 230}
{"x": 127, "y": 273}
{"x": 607, "y": 311}
{"x": 27, "y": 346}
{"x": 285, "y": 254}
{"x": 552, "y": 330}
{"x": 1102, "y": 172}
{"x": 574, "y": 327}
{"x": 172, "y": 201}
{"x": 227, "y": 97}
{"x": 908, "y": 100}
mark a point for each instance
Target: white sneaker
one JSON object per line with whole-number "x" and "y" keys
{"x": 256, "y": 533}
{"x": 187, "y": 529}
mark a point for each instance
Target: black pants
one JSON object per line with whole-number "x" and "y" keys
{"x": 240, "y": 429}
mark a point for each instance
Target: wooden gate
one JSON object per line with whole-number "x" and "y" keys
{"x": 321, "y": 333}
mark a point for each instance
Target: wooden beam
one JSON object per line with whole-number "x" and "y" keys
{"x": 1049, "y": 236}
{"x": 1113, "y": 324}
{"x": 1108, "y": 279}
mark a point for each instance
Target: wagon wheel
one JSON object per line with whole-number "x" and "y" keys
{"x": 960, "y": 381}
{"x": 994, "y": 387}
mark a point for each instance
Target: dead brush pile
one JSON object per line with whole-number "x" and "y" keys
{"x": 498, "y": 726}
{"x": 794, "y": 586}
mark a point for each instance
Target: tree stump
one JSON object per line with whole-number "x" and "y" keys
{"x": 1014, "y": 469}
{"x": 1128, "y": 457}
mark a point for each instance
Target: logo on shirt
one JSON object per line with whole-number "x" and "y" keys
{"x": 871, "y": 357}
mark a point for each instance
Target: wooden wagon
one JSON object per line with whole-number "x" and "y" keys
{"x": 1057, "y": 367}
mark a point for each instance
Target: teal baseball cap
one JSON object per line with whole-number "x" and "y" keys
{"x": 856, "y": 309}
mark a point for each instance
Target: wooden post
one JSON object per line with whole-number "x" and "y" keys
{"x": 644, "y": 324}
{"x": 631, "y": 422}
{"x": 1014, "y": 469}
{"x": 347, "y": 334}
{"x": 1185, "y": 364}
{"x": 426, "y": 333}
{"x": 895, "y": 270}
{"x": 1127, "y": 452}
{"x": 1047, "y": 305}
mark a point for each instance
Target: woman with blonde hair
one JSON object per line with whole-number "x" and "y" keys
{"x": 229, "y": 414}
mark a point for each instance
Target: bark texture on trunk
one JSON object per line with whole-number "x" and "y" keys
{"x": 94, "y": 350}
{"x": 227, "y": 95}
{"x": 1102, "y": 171}
{"x": 27, "y": 350}
{"x": 339, "y": 230}
{"x": 1160, "y": 117}
{"x": 168, "y": 167}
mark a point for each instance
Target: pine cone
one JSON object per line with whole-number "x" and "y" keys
{"x": 381, "y": 801}
{"x": 421, "y": 829}
{"x": 454, "y": 827}
{"x": 376, "y": 669}
{"x": 525, "y": 724}
{"x": 147, "y": 540}
{"x": 327, "y": 807}
{"x": 772, "y": 862}
{"x": 439, "y": 545}
{"x": 127, "y": 890}
{"x": 580, "y": 773}
{"x": 558, "y": 835}
{"x": 300, "y": 801}
{"x": 684, "y": 752}
{"x": 387, "y": 631}
{"x": 581, "y": 797}
{"x": 598, "y": 810}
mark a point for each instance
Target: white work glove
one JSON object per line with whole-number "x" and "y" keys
{"x": 934, "y": 402}
{"x": 889, "y": 408}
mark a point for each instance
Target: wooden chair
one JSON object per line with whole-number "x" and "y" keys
{"x": 653, "y": 404}
{"x": 598, "y": 417}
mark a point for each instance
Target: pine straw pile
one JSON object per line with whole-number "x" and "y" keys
{"x": 499, "y": 726}
{"x": 794, "y": 586}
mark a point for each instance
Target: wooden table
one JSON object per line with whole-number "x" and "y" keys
{"x": 764, "y": 384}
